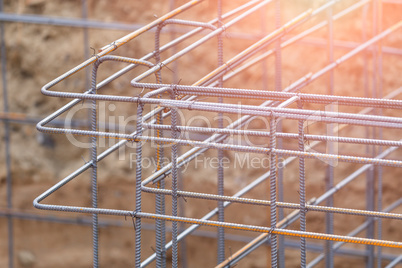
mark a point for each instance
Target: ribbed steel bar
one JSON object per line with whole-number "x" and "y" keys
{"x": 250, "y": 51}
{"x": 70, "y": 22}
{"x": 312, "y": 207}
{"x": 194, "y": 227}
{"x": 395, "y": 262}
{"x": 354, "y": 175}
{"x": 329, "y": 117}
{"x": 391, "y": 95}
{"x": 280, "y": 96}
{"x": 344, "y": 45}
{"x": 118, "y": 43}
{"x": 277, "y": 231}
{"x": 348, "y": 179}
{"x": 9, "y": 197}
{"x": 138, "y": 191}
{"x": 379, "y": 170}
{"x": 309, "y": 137}
{"x": 137, "y": 215}
{"x": 104, "y": 223}
{"x": 356, "y": 231}
{"x": 302, "y": 190}
{"x": 273, "y": 189}
{"x": 371, "y": 178}
{"x": 369, "y": 184}
{"x": 174, "y": 190}
{"x": 94, "y": 175}
{"x": 204, "y": 39}
{"x": 278, "y": 87}
{"x": 294, "y": 39}
{"x": 47, "y": 193}
{"x": 358, "y": 49}
{"x": 196, "y": 151}
{"x": 349, "y": 252}
{"x": 82, "y": 23}
{"x": 254, "y": 244}
{"x": 239, "y": 148}
{"x": 220, "y": 171}
{"x": 45, "y": 120}
{"x": 160, "y": 237}
{"x": 329, "y": 218}
{"x": 124, "y": 70}
{"x": 261, "y": 239}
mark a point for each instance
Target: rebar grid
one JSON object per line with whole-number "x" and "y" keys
{"x": 288, "y": 105}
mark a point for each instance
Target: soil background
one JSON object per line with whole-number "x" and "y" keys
{"x": 38, "y": 53}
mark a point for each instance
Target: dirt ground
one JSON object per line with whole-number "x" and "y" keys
{"x": 37, "y": 53}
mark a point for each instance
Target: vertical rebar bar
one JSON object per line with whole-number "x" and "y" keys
{"x": 329, "y": 217}
{"x": 174, "y": 189}
{"x": 380, "y": 135}
{"x": 302, "y": 190}
{"x": 175, "y": 80}
{"x": 278, "y": 87}
{"x": 182, "y": 226}
{"x": 371, "y": 176}
{"x": 175, "y": 64}
{"x": 10, "y": 227}
{"x": 84, "y": 5}
{"x": 264, "y": 70}
{"x": 138, "y": 197}
{"x": 93, "y": 122}
{"x": 160, "y": 237}
{"x": 221, "y": 208}
{"x": 94, "y": 157}
{"x": 273, "y": 177}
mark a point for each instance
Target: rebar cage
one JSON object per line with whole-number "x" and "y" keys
{"x": 278, "y": 136}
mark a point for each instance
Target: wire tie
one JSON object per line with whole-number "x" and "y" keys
{"x": 223, "y": 26}
{"x": 230, "y": 258}
{"x": 134, "y": 215}
{"x": 273, "y": 114}
{"x": 305, "y": 209}
{"x": 84, "y": 159}
{"x": 299, "y": 101}
{"x": 174, "y": 89}
{"x": 94, "y": 54}
{"x": 179, "y": 195}
{"x": 114, "y": 45}
{"x": 271, "y": 231}
{"x": 153, "y": 249}
{"x": 94, "y": 164}
{"x": 161, "y": 64}
{"x": 229, "y": 67}
{"x": 138, "y": 99}
{"x": 189, "y": 106}
{"x": 176, "y": 129}
{"x": 134, "y": 139}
